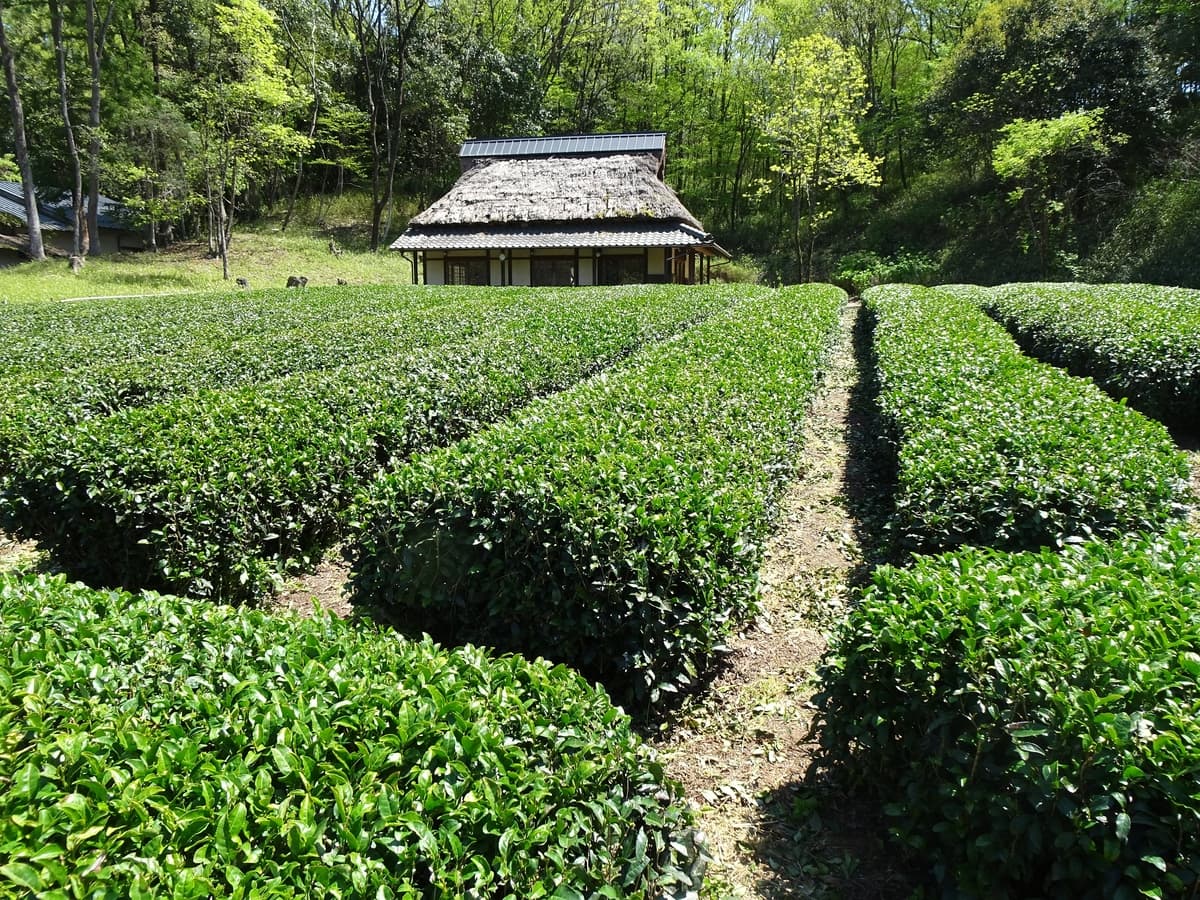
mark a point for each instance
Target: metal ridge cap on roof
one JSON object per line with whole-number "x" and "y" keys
{"x": 561, "y": 144}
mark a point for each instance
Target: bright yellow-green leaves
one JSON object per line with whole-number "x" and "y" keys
{"x": 160, "y": 747}
{"x": 814, "y": 97}
{"x": 1027, "y": 144}
{"x": 1032, "y": 152}
{"x": 814, "y": 100}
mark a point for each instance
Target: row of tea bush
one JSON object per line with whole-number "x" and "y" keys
{"x": 617, "y": 526}
{"x": 218, "y": 492}
{"x": 161, "y": 747}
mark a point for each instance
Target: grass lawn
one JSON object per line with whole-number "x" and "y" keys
{"x": 259, "y": 253}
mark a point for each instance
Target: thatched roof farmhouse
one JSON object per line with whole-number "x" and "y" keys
{"x": 585, "y": 209}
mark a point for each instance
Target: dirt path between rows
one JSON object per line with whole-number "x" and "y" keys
{"x": 17, "y": 555}
{"x": 744, "y": 749}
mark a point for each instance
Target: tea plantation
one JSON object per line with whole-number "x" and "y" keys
{"x": 1028, "y": 719}
{"x": 588, "y": 476}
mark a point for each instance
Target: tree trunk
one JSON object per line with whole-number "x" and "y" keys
{"x": 33, "y": 221}
{"x": 152, "y": 241}
{"x": 60, "y": 53}
{"x": 95, "y": 48}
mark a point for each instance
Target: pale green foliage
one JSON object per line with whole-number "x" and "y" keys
{"x": 1032, "y": 152}
{"x": 814, "y": 98}
{"x": 1028, "y": 144}
{"x": 248, "y": 90}
{"x": 810, "y": 112}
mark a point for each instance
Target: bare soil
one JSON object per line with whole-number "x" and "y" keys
{"x": 325, "y": 588}
{"x": 745, "y": 749}
{"x": 18, "y": 555}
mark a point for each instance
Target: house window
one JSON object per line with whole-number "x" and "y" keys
{"x": 552, "y": 271}
{"x": 625, "y": 268}
{"x": 467, "y": 271}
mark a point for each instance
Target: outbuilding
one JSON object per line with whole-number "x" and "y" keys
{"x": 576, "y": 210}
{"x": 57, "y": 229}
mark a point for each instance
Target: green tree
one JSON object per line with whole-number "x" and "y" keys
{"x": 243, "y": 106}
{"x": 1034, "y": 152}
{"x": 810, "y": 113}
{"x": 33, "y": 221}
{"x": 1038, "y": 59}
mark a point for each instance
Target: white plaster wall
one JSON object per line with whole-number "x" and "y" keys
{"x": 520, "y": 270}
{"x": 435, "y": 271}
{"x": 655, "y": 261}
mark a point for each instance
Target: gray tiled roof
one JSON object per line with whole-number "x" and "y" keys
{"x": 638, "y": 234}
{"x": 646, "y": 142}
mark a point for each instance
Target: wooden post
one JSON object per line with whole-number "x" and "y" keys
{"x": 425, "y": 268}
{"x": 575, "y": 272}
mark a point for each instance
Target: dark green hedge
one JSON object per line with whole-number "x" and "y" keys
{"x": 1137, "y": 341}
{"x": 618, "y": 526}
{"x": 158, "y": 747}
{"x": 216, "y": 493}
{"x": 996, "y": 449}
{"x": 1032, "y": 721}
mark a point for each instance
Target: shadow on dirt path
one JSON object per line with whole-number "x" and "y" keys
{"x": 744, "y": 750}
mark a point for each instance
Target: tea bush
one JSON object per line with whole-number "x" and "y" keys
{"x": 70, "y": 362}
{"x": 1032, "y": 720}
{"x": 215, "y": 493}
{"x": 152, "y": 746}
{"x": 996, "y": 449}
{"x": 1137, "y": 341}
{"x": 618, "y": 526}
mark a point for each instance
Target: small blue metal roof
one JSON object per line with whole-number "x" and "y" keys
{"x": 57, "y": 216}
{"x": 12, "y": 203}
{"x": 573, "y": 144}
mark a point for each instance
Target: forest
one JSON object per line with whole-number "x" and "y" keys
{"x": 849, "y": 140}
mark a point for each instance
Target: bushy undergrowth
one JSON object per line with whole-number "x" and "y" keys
{"x": 996, "y": 449}
{"x": 618, "y": 526}
{"x": 1156, "y": 239}
{"x": 863, "y": 269}
{"x": 158, "y": 747}
{"x": 1137, "y": 341}
{"x": 215, "y": 493}
{"x": 1032, "y": 721}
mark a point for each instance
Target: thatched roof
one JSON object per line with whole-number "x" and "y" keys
{"x": 558, "y": 189}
